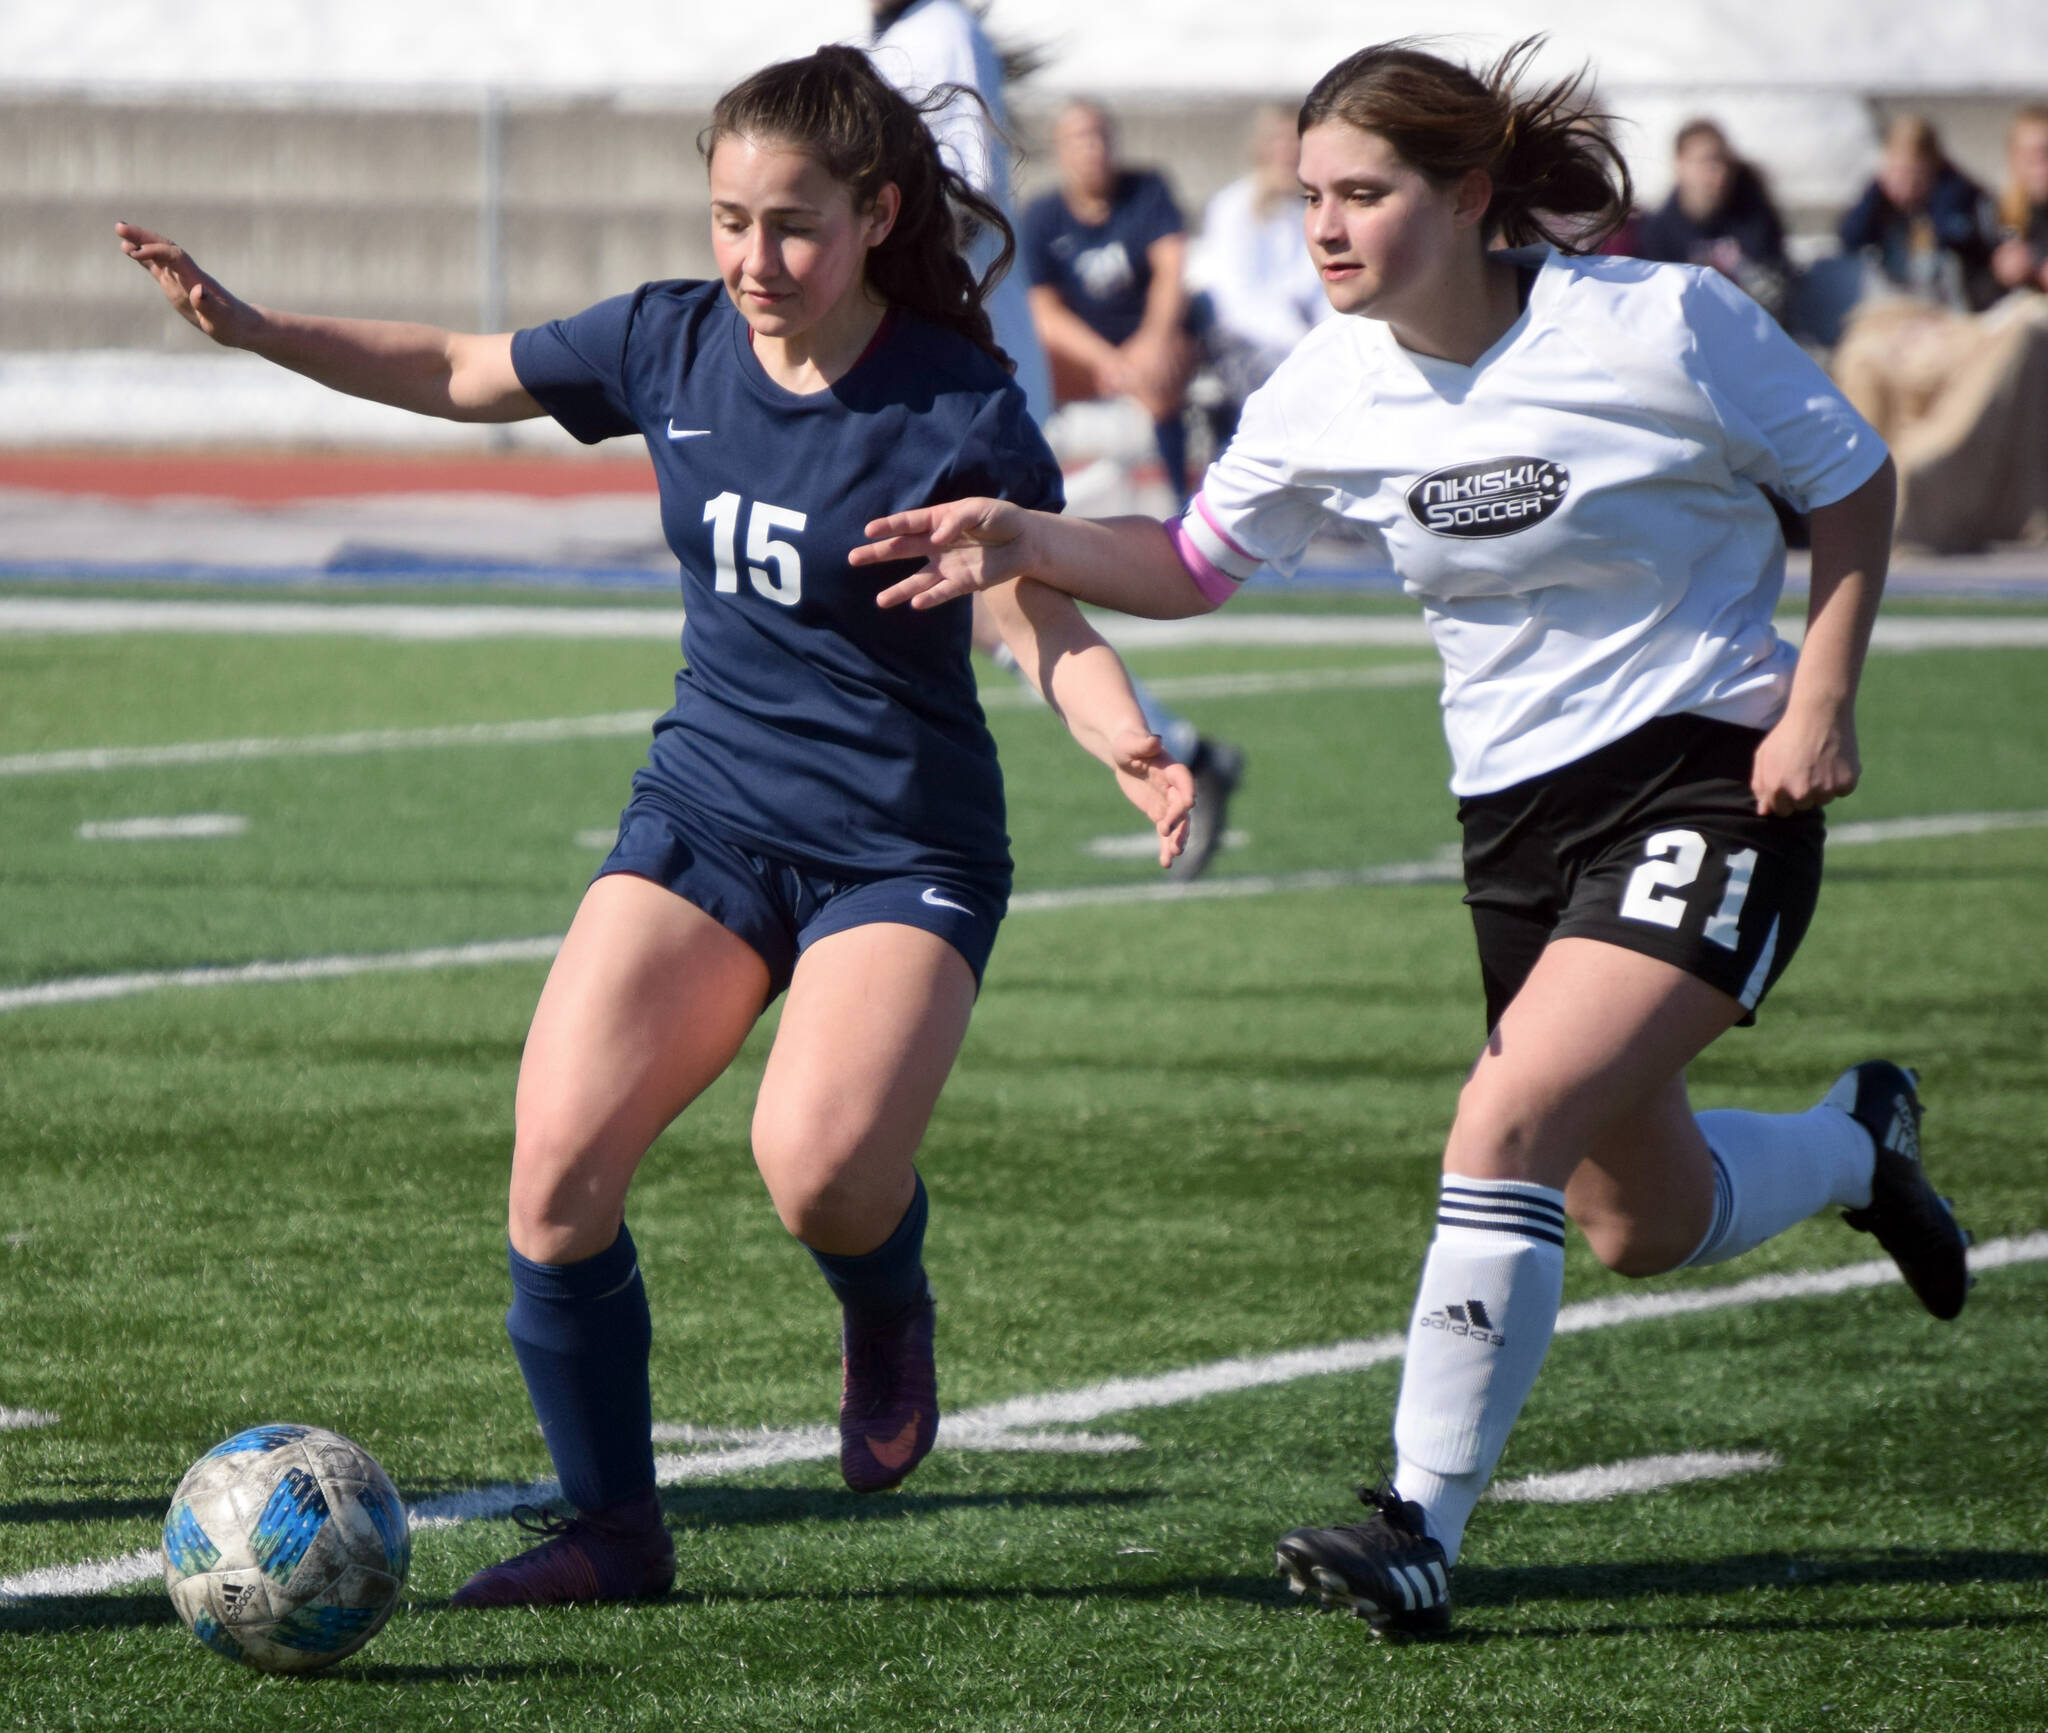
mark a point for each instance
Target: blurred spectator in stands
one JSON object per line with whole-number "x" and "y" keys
{"x": 1106, "y": 260}
{"x": 1923, "y": 223}
{"x": 1253, "y": 265}
{"x": 1961, "y": 397}
{"x": 1719, "y": 213}
{"x": 2021, "y": 260}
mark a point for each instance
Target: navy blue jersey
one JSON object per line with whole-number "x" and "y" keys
{"x": 1101, "y": 270}
{"x": 807, "y": 720}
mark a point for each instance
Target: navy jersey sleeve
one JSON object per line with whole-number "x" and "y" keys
{"x": 575, "y": 368}
{"x": 1004, "y": 456}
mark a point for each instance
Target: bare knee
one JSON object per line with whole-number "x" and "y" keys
{"x": 809, "y": 1164}
{"x": 831, "y": 1190}
{"x": 1630, "y": 1246}
{"x": 1497, "y": 1136}
{"x": 566, "y": 1197}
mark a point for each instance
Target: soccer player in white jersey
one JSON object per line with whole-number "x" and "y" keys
{"x": 1566, "y": 460}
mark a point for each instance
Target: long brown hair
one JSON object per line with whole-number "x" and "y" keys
{"x": 1557, "y": 175}
{"x": 837, "y": 109}
{"x": 2014, "y": 210}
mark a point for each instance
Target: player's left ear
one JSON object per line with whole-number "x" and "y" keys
{"x": 1470, "y": 197}
{"x": 880, "y": 217}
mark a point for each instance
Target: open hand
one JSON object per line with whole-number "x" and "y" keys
{"x": 967, "y": 544}
{"x": 1806, "y": 761}
{"x": 200, "y": 301}
{"x": 1158, "y": 786}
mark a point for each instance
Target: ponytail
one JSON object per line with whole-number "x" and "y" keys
{"x": 837, "y": 109}
{"x": 1557, "y": 175}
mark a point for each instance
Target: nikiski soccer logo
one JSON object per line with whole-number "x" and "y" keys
{"x": 1495, "y": 497}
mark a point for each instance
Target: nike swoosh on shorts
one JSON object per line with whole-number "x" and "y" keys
{"x": 675, "y": 432}
{"x": 938, "y": 902}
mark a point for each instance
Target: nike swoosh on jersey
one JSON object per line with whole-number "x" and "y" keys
{"x": 675, "y": 432}
{"x": 938, "y": 902}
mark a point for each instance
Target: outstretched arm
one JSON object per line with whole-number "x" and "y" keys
{"x": 1130, "y": 564}
{"x": 449, "y": 374}
{"x": 1809, "y": 758}
{"x": 1085, "y": 681}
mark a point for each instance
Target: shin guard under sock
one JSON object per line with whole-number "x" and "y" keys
{"x": 1483, "y": 1318}
{"x": 581, "y": 1333}
{"x": 887, "y": 1279}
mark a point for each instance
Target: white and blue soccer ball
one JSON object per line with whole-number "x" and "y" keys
{"x": 285, "y": 1548}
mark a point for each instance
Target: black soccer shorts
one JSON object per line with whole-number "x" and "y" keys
{"x": 1652, "y": 843}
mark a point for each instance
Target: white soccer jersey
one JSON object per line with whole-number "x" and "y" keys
{"x": 1578, "y": 511}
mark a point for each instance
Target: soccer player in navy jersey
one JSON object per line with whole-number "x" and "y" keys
{"x": 821, "y": 810}
{"x": 1566, "y": 459}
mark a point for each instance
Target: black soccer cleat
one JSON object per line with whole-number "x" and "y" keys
{"x": 1217, "y": 767}
{"x": 1386, "y": 1569}
{"x": 1911, "y": 1221}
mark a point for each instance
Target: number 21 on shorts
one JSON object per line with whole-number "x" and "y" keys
{"x": 774, "y": 567}
{"x": 1671, "y": 866}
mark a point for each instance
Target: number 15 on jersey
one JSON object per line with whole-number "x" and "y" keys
{"x": 774, "y": 567}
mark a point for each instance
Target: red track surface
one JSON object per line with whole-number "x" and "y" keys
{"x": 276, "y": 478}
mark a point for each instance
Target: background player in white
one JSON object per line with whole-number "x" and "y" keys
{"x": 1565, "y": 459}
{"x": 940, "y": 55}
{"x": 821, "y": 810}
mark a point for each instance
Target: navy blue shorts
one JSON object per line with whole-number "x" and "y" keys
{"x": 782, "y": 909}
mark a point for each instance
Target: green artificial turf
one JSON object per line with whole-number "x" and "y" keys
{"x": 1178, "y": 1133}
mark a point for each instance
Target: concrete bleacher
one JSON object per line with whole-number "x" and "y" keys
{"x": 378, "y": 210}
{"x": 377, "y": 207}
{"x": 488, "y": 213}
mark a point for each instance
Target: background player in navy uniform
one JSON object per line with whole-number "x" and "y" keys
{"x": 1106, "y": 255}
{"x": 1565, "y": 458}
{"x": 820, "y": 811}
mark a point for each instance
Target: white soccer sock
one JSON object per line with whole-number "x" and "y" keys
{"x": 1774, "y": 1169}
{"x": 1483, "y": 1316}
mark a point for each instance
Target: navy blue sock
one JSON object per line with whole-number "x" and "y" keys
{"x": 581, "y": 1333}
{"x": 1171, "y": 436}
{"x": 888, "y": 1278}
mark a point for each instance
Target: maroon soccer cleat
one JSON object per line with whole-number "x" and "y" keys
{"x": 621, "y": 1553}
{"x": 889, "y": 1400}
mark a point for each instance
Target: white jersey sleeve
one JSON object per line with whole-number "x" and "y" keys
{"x": 1255, "y": 507}
{"x": 940, "y": 43}
{"x": 1787, "y": 426}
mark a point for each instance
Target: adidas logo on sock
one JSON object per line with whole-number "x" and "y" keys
{"x": 1471, "y": 1319}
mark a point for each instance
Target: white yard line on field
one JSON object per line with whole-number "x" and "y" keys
{"x": 619, "y": 724}
{"x": 1938, "y": 824}
{"x": 25, "y": 1419}
{"x": 82, "y": 989}
{"x": 1439, "y": 869}
{"x": 630, "y": 724}
{"x": 456, "y": 622}
{"x": 1029, "y": 1415}
{"x": 93, "y": 1577}
{"x": 180, "y": 827}
{"x": 1144, "y": 844}
{"x": 1638, "y": 1474}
